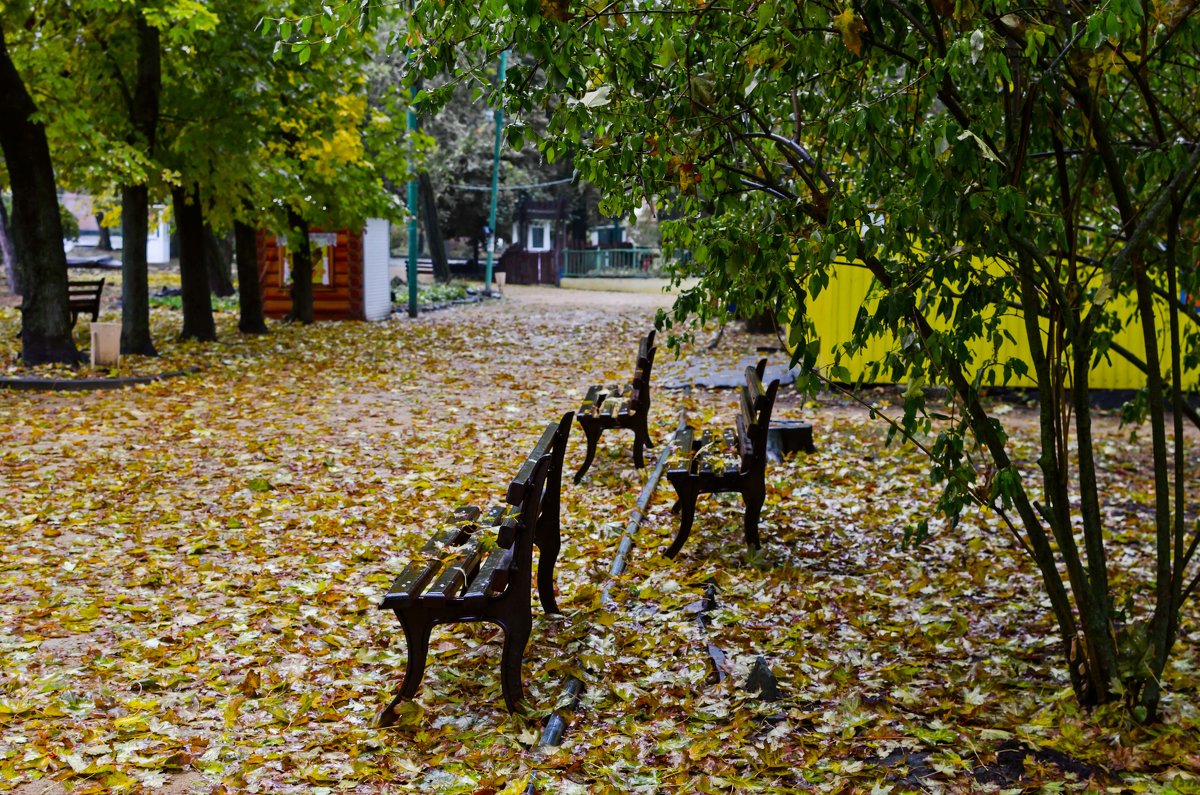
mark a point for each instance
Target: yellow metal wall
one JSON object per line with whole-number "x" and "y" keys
{"x": 834, "y": 310}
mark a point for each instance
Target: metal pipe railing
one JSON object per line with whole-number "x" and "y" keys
{"x": 636, "y": 261}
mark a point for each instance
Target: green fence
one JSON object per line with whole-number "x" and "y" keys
{"x": 610, "y": 262}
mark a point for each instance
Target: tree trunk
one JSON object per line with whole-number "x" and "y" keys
{"x": 300, "y": 253}
{"x": 433, "y": 231}
{"x": 245, "y": 240}
{"x": 36, "y": 225}
{"x": 104, "y": 235}
{"x": 193, "y": 276}
{"x": 135, "y": 203}
{"x": 135, "y": 287}
{"x": 12, "y": 272}
{"x": 761, "y": 323}
{"x": 218, "y": 260}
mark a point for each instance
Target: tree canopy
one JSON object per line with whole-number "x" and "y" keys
{"x": 189, "y": 97}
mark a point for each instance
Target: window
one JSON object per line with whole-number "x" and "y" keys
{"x": 537, "y": 238}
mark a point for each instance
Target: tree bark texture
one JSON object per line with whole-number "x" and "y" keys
{"x": 218, "y": 260}
{"x": 251, "y": 320}
{"x": 104, "y": 235}
{"x": 198, "y": 321}
{"x": 300, "y": 253}
{"x": 135, "y": 205}
{"x": 36, "y": 225}
{"x": 135, "y": 286}
{"x": 433, "y": 231}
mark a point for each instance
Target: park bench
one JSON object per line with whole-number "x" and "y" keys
{"x": 84, "y": 296}
{"x": 735, "y": 461}
{"x": 478, "y": 568}
{"x": 619, "y": 407}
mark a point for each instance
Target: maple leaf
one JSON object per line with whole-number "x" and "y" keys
{"x": 851, "y": 27}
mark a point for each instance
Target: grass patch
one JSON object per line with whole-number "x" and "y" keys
{"x": 428, "y": 294}
{"x": 219, "y": 304}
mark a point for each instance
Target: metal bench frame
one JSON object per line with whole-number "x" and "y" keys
{"x": 621, "y": 407}
{"x": 83, "y": 296}
{"x": 455, "y": 579}
{"x": 695, "y": 471}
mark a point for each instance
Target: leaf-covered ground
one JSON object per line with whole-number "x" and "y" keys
{"x": 191, "y": 569}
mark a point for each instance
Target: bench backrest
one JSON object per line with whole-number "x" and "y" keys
{"x": 754, "y": 419}
{"x": 639, "y": 393}
{"x": 85, "y": 290}
{"x": 534, "y": 492}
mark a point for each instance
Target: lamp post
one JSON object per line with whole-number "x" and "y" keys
{"x": 491, "y": 241}
{"x": 412, "y": 221}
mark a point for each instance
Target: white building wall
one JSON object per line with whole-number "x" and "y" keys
{"x": 530, "y": 244}
{"x": 158, "y": 239}
{"x": 377, "y": 286}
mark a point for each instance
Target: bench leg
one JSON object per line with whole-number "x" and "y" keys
{"x": 547, "y": 558}
{"x": 687, "y": 513}
{"x": 754, "y": 497}
{"x": 516, "y": 638}
{"x": 416, "y": 636}
{"x": 641, "y": 439}
{"x": 591, "y": 432}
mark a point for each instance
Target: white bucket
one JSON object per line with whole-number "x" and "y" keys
{"x": 106, "y": 344}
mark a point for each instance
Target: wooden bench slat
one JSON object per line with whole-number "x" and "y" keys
{"x": 466, "y": 514}
{"x": 83, "y": 295}
{"x": 681, "y": 457}
{"x": 646, "y": 346}
{"x": 492, "y": 575}
{"x": 701, "y": 456}
{"x": 688, "y": 444}
{"x": 424, "y": 567}
{"x": 84, "y": 289}
{"x": 506, "y": 532}
{"x": 519, "y": 484}
{"x": 594, "y": 397}
{"x": 456, "y": 572}
{"x": 745, "y": 443}
{"x": 749, "y": 415}
{"x": 755, "y": 388}
{"x": 494, "y": 516}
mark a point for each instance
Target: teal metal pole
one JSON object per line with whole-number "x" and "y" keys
{"x": 412, "y": 221}
{"x": 491, "y": 243}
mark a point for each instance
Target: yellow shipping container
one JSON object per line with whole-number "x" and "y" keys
{"x": 834, "y": 310}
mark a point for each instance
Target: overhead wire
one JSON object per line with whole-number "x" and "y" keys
{"x": 514, "y": 187}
